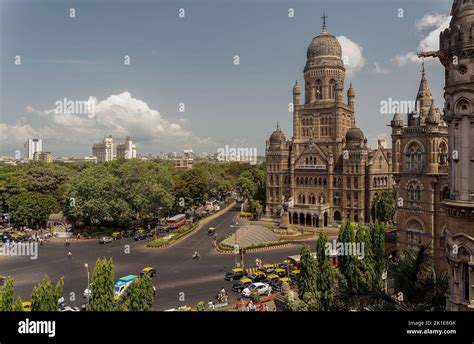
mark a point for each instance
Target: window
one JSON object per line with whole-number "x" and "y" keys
{"x": 414, "y": 158}
{"x": 332, "y": 89}
{"x": 319, "y": 90}
{"x": 443, "y": 154}
{"x": 414, "y": 195}
{"x": 465, "y": 281}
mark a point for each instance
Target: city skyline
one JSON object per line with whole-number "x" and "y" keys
{"x": 148, "y": 94}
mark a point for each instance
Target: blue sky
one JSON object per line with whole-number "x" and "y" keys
{"x": 190, "y": 60}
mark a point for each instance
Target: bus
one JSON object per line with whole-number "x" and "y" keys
{"x": 176, "y": 221}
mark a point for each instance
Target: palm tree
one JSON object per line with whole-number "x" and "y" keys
{"x": 422, "y": 290}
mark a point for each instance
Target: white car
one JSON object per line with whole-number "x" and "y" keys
{"x": 259, "y": 287}
{"x": 87, "y": 293}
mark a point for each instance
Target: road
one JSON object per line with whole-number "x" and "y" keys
{"x": 180, "y": 280}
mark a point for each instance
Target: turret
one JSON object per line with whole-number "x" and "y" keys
{"x": 296, "y": 94}
{"x": 351, "y": 96}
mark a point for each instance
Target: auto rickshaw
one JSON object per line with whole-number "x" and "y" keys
{"x": 26, "y": 305}
{"x": 148, "y": 271}
{"x": 211, "y": 231}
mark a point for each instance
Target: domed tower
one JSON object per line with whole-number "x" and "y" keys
{"x": 324, "y": 117}
{"x": 457, "y": 56}
{"x": 324, "y": 68}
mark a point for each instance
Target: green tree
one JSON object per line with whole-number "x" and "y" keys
{"x": 256, "y": 209}
{"x": 246, "y": 186}
{"x": 308, "y": 275}
{"x": 44, "y": 298}
{"x": 8, "y": 302}
{"x": 139, "y": 296}
{"x": 32, "y": 208}
{"x": 101, "y": 298}
{"x": 324, "y": 274}
{"x": 377, "y": 233}
{"x": 384, "y": 206}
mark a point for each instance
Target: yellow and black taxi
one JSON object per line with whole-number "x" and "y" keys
{"x": 278, "y": 286}
{"x": 148, "y": 271}
{"x": 280, "y": 272}
{"x": 268, "y": 268}
{"x": 271, "y": 279}
{"x": 234, "y": 274}
{"x": 211, "y": 231}
{"x": 294, "y": 275}
{"x": 257, "y": 276}
{"x": 26, "y": 305}
{"x": 241, "y": 285}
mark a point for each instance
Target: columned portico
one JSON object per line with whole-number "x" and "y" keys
{"x": 316, "y": 216}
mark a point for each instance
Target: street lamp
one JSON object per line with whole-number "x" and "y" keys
{"x": 88, "y": 276}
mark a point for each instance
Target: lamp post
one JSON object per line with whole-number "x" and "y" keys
{"x": 88, "y": 277}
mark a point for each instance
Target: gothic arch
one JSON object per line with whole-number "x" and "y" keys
{"x": 462, "y": 106}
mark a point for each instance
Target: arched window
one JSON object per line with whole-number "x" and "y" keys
{"x": 332, "y": 89}
{"x": 319, "y": 89}
{"x": 414, "y": 157}
{"x": 443, "y": 154}
{"x": 414, "y": 191}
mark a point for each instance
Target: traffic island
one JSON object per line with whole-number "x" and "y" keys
{"x": 183, "y": 233}
{"x": 252, "y": 238}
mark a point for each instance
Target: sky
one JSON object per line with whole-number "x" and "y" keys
{"x": 172, "y": 83}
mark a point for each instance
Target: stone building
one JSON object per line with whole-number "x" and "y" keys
{"x": 326, "y": 171}
{"x": 457, "y": 56}
{"x": 420, "y": 171}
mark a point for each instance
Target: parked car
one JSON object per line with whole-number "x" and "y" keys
{"x": 260, "y": 288}
{"x": 257, "y": 276}
{"x": 106, "y": 240}
{"x": 140, "y": 235}
{"x": 117, "y": 235}
{"x": 234, "y": 274}
{"x": 241, "y": 285}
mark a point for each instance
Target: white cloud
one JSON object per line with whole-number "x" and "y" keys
{"x": 380, "y": 70}
{"x": 429, "y": 27}
{"x": 119, "y": 115}
{"x": 352, "y": 55}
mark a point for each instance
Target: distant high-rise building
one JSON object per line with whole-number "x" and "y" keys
{"x": 104, "y": 151}
{"x": 43, "y": 156}
{"x": 32, "y": 146}
{"x": 127, "y": 150}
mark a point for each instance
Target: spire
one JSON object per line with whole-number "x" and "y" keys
{"x": 424, "y": 98}
{"x": 278, "y": 126}
{"x": 324, "y": 18}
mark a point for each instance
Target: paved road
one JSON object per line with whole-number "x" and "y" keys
{"x": 180, "y": 279}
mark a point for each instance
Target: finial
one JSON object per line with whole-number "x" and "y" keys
{"x": 278, "y": 126}
{"x": 423, "y": 66}
{"x": 324, "y": 18}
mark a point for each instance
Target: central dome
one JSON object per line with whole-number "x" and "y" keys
{"x": 324, "y": 45}
{"x": 354, "y": 135}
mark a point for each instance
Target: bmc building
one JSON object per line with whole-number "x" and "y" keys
{"x": 326, "y": 173}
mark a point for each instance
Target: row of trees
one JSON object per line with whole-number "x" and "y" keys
{"x": 119, "y": 192}
{"x": 139, "y": 296}
{"x": 357, "y": 283}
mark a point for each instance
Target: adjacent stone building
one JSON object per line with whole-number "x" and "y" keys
{"x": 457, "y": 56}
{"x": 326, "y": 171}
{"x": 420, "y": 171}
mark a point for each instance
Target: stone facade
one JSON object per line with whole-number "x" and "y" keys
{"x": 420, "y": 171}
{"x": 326, "y": 172}
{"x": 457, "y": 56}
